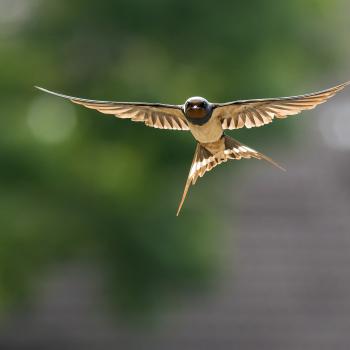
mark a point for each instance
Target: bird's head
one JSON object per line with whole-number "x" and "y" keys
{"x": 197, "y": 110}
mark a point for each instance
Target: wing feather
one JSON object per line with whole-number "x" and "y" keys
{"x": 156, "y": 115}
{"x": 255, "y": 113}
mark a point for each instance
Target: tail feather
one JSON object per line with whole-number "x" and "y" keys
{"x": 189, "y": 179}
{"x": 209, "y": 155}
{"x": 271, "y": 161}
{"x": 237, "y": 150}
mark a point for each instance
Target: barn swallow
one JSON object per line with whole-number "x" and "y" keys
{"x": 207, "y": 122}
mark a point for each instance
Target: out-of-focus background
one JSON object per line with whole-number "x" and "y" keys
{"x": 91, "y": 253}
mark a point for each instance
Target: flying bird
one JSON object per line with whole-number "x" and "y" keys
{"x": 207, "y": 122}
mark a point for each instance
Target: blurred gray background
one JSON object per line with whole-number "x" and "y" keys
{"x": 91, "y": 253}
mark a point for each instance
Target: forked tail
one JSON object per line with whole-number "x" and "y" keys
{"x": 209, "y": 155}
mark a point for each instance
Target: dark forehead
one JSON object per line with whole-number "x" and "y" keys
{"x": 195, "y": 100}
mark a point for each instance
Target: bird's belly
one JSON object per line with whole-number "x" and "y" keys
{"x": 211, "y": 131}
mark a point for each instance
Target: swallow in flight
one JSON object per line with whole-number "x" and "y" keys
{"x": 207, "y": 122}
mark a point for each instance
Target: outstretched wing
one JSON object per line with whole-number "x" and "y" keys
{"x": 254, "y": 113}
{"x": 156, "y": 115}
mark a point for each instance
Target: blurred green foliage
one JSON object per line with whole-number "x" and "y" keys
{"x": 75, "y": 185}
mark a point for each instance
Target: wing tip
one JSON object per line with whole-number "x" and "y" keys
{"x": 39, "y": 88}
{"x": 340, "y": 86}
{"x": 53, "y": 93}
{"x": 345, "y": 84}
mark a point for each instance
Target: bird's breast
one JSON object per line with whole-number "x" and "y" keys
{"x": 211, "y": 131}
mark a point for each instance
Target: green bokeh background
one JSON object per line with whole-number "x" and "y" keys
{"x": 106, "y": 190}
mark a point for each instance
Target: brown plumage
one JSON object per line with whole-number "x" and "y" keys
{"x": 207, "y": 122}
